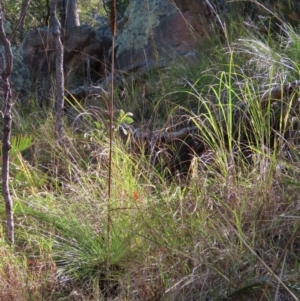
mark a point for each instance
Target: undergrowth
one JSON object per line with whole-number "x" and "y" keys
{"x": 226, "y": 230}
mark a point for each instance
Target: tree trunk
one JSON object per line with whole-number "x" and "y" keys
{"x": 69, "y": 15}
{"x": 59, "y": 60}
{"x": 72, "y": 16}
{"x": 6, "y": 146}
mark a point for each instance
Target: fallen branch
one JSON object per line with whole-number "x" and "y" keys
{"x": 279, "y": 93}
{"x": 167, "y": 134}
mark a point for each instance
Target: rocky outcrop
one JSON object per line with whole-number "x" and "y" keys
{"x": 154, "y": 32}
{"x": 84, "y": 51}
{"x": 20, "y": 77}
{"x": 38, "y": 51}
{"x": 151, "y": 34}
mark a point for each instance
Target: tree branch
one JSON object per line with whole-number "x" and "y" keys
{"x": 6, "y": 146}
{"x": 20, "y": 23}
{"x": 59, "y": 105}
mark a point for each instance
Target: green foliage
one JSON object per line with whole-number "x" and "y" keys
{"x": 20, "y": 143}
{"x": 82, "y": 254}
{"x": 37, "y": 15}
{"x": 24, "y": 176}
{"x": 124, "y": 118}
{"x": 89, "y": 10}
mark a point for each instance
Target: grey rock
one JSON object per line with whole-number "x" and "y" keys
{"x": 154, "y": 32}
{"x": 84, "y": 52}
{"x": 20, "y": 77}
{"x": 37, "y": 50}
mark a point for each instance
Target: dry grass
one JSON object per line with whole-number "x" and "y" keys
{"x": 228, "y": 230}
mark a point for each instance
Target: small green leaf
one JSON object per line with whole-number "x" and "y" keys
{"x": 128, "y": 120}
{"x": 97, "y": 124}
{"x": 122, "y": 113}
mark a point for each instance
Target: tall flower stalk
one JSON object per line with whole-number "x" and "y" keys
{"x": 113, "y": 27}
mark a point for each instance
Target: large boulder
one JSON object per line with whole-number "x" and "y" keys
{"x": 154, "y": 32}
{"x": 37, "y": 50}
{"x": 20, "y": 77}
{"x": 84, "y": 53}
{"x": 151, "y": 34}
